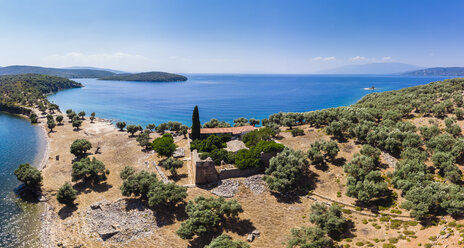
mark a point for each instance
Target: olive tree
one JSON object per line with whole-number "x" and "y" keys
{"x": 79, "y": 147}
{"x": 66, "y": 194}
{"x": 28, "y": 175}
{"x": 284, "y": 170}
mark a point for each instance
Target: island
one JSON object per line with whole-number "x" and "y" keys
{"x": 438, "y": 71}
{"x": 58, "y": 72}
{"x": 154, "y": 76}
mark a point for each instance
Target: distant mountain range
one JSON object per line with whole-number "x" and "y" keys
{"x": 66, "y": 73}
{"x": 95, "y": 68}
{"x": 154, "y": 76}
{"x": 438, "y": 71}
{"x": 373, "y": 68}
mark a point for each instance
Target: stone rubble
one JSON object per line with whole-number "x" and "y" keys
{"x": 255, "y": 184}
{"x": 119, "y": 221}
{"x": 227, "y": 188}
{"x": 179, "y": 153}
{"x": 389, "y": 159}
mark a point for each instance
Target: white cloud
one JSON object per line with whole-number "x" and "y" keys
{"x": 358, "y": 58}
{"x": 324, "y": 58}
{"x": 387, "y": 59}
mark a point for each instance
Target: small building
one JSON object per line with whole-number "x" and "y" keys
{"x": 236, "y": 132}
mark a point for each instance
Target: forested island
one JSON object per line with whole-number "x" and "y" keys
{"x": 154, "y": 76}
{"x": 438, "y": 71}
{"x": 58, "y": 72}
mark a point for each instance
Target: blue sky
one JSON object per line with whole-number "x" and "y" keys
{"x": 214, "y": 36}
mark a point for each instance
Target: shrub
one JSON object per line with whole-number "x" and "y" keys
{"x": 330, "y": 219}
{"x": 164, "y": 145}
{"x": 284, "y": 170}
{"x": 309, "y": 237}
{"x": 66, "y": 194}
{"x": 127, "y": 172}
{"x": 225, "y": 241}
{"x": 206, "y": 214}
{"x": 297, "y": 132}
{"x": 172, "y": 165}
{"x": 252, "y": 138}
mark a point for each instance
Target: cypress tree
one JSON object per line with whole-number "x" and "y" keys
{"x": 196, "y": 124}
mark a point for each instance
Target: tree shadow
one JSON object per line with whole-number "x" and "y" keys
{"x": 349, "y": 232}
{"x": 177, "y": 177}
{"x": 28, "y": 194}
{"x": 339, "y": 162}
{"x": 89, "y": 186}
{"x": 240, "y": 227}
{"x": 168, "y": 215}
{"x": 305, "y": 184}
{"x": 67, "y": 211}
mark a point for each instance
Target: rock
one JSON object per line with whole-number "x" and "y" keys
{"x": 251, "y": 237}
{"x": 389, "y": 159}
{"x": 256, "y": 233}
{"x": 179, "y": 153}
{"x": 120, "y": 221}
{"x": 227, "y": 188}
{"x": 255, "y": 184}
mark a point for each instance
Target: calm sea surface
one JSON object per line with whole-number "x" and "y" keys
{"x": 224, "y": 97}
{"x": 20, "y": 142}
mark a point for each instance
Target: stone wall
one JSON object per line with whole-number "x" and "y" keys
{"x": 235, "y": 172}
{"x": 204, "y": 170}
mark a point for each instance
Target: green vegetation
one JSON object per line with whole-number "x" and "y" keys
{"x": 213, "y": 142}
{"x": 310, "y": 237}
{"x": 225, "y": 241}
{"x": 66, "y": 194}
{"x": 147, "y": 186}
{"x": 322, "y": 152}
{"x": 154, "y": 76}
{"x": 164, "y": 145}
{"x": 206, "y": 215}
{"x": 196, "y": 125}
{"x": 330, "y": 219}
{"x": 252, "y": 138}
{"x": 121, "y": 125}
{"x": 284, "y": 170}
{"x": 57, "y": 72}
{"x": 28, "y": 175}
{"x": 172, "y": 165}
{"x": 132, "y": 129}
{"x": 80, "y": 147}
{"x": 251, "y": 158}
{"x": 17, "y": 91}
{"x": 87, "y": 170}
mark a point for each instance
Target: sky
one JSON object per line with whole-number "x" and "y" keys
{"x": 240, "y": 36}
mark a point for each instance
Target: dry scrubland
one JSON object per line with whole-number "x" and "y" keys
{"x": 272, "y": 216}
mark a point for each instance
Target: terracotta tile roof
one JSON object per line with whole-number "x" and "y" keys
{"x": 232, "y": 130}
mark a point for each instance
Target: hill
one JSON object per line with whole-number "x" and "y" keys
{"x": 155, "y": 76}
{"x": 372, "y": 68}
{"x": 438, "y": 71}
{"x": 66, "y": 73}
{"x": 95, "y": 68}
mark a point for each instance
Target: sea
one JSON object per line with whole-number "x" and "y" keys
{"x": 225, "y": 97}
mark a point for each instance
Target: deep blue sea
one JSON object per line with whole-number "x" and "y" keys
{"x": 224, "y": 97}
{"x": 20, "y": 142}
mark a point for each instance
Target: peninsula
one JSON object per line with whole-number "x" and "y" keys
{"x": 154, "y": 76}
{"x": 375, "y": 163}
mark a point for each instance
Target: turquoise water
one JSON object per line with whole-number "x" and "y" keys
{"x": 225, "y": 97}
{"x": 20, "y": 142}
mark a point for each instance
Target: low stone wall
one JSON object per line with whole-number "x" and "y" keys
{"x": 235, "y": 172}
